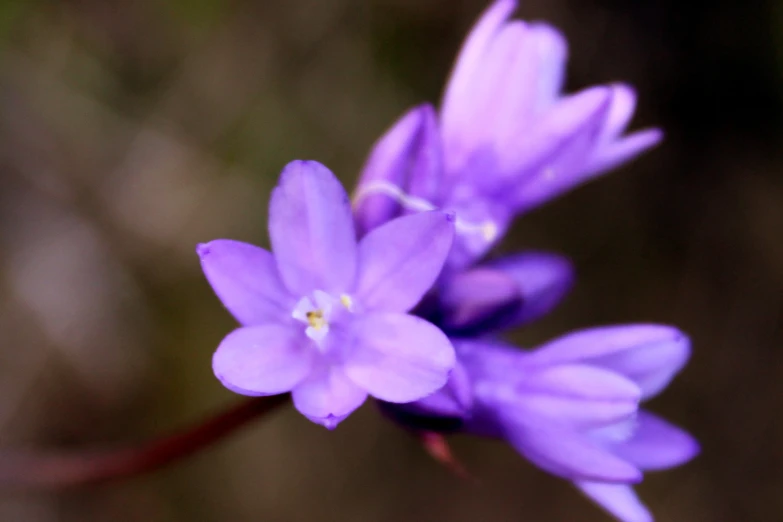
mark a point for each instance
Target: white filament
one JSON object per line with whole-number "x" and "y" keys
{"x": 488, "y": 229}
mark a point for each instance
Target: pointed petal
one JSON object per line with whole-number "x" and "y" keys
{"x": 530, "y": 83}
{"x": 503, "y": 84}
{"x": 311, "y": 228}
{"x": 400, "y": 261}
{"x": 565, "y": 142}
{"x": 620, "y": 151}
{"x": 407, "y": 157}
{"x": 650, "y": 355}
{"x": 612, "y": 149}
{"x": 245, "y": 279}
{"x": 578, "y": 396}
{"x": 426, "y": 176}
{"x": 657, "y": 444}
{"x": 552, "y": 50}
{"x": 262, "y": 360}
{"x": 567, "y": 454}
{"x": 460, "y": 95}
{"x": 558, "y": 139}
{"x": 618, "y": 499}
{"x": 621, "y": 111}
{"x": 398, "y": 357}
{"x": 327, "y": 396}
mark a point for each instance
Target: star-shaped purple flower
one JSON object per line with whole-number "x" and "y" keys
{"x": 324, "y": 317}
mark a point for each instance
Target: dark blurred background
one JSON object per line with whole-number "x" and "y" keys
{"x": 130, "y": 131}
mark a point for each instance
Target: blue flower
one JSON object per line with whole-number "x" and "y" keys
{"x": 324, "y": 316}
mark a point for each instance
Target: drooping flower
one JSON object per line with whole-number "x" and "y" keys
{"x": 506, "y": 139}
{"x": 570, "y": 407}
{"x": 324, "y": 316}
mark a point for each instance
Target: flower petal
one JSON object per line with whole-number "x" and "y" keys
{"x": 311, "y": 228}
{"x": 529, "y": 84}
{"x": 473, "y": 300}
{"x": 327, "y": 396}
{"x": 446, "y": 410}
{"x": 561, "y": 137}
{"x": 406, "y": 157}
{"x": 262, "y": 360}
{"x": 398, "y": 357}
{"x": 650, "y": 355}
{"x": 620, "y": 151}
{"x": 566, "y": 453}
{"x": 245, "y": 279}
{"x": 459, "y": 98}
{"x": 552, "y": 50}
{"x": 578, "y": 396}
{"x": 491, "y": 360}
{"x": 621, "y": 111}
{"x": 564, "y": 141}
{"x": 455, "y": 399}
{"x": 503, "y": 85}
{"x": 656, "y": 444}
{"x": 543, "y": 279}
{"x": 618, "y": 499}
{"x": 400, "y": 261}
{"x": 426, "y": 171}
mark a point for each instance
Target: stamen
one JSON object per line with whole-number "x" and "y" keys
{"x": 303, "y": 307}
{"x": 396, "y": 193}
{"x": 316, "y": 319}
{"x": 347, "y": 302}
{"x": 488, "y": 229}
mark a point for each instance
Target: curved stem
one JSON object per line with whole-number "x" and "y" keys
{"x": 36, "y": 469}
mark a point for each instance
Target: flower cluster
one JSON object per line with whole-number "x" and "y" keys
{"x": 391, "y": 297}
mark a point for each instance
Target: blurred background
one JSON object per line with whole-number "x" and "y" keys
{"x": 130, "y": 131}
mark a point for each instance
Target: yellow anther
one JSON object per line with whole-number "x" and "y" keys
{"x": 316, "y": 319}
{"x": 489, "y": 230}
{"x": 346, "y": 301}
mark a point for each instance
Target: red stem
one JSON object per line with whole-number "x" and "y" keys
{"x": 72, "y": 469}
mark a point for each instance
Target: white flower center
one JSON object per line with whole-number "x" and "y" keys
{"x": 317, "y": 312}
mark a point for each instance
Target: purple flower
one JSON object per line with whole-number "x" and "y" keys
{"x": 324, "y": 316}
{"x": 571, "y": 406}
{"x": 505, "y": 141}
